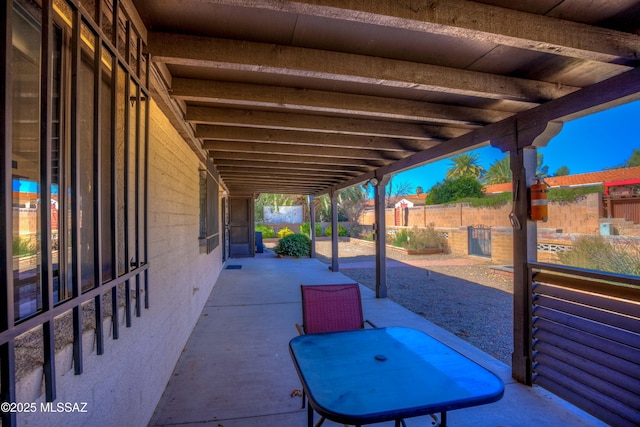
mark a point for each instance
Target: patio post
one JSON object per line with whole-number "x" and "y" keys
{"x": 523, "y": 167}
{"x": 521, "y": 145}
{"x": 312, "y": 224}
{"x": 380, "y": 233}
{"x": 334, "y": 231}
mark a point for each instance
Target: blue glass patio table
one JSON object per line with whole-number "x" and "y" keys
{"x": 373, "y": 375}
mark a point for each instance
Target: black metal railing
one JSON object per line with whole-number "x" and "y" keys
{"x": 480, "y": 240}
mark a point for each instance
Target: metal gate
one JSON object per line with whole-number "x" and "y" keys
{"x": 480, "y": 240}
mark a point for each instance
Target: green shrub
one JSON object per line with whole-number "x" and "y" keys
{"x": 452, "y": 190}
{"x": 267, "y": 232}
{"x": 22, "y": 246}
{"x": 488, "y": 201}
{"x": 294, "y": 245}
{"x": 418, "y": 238}
{"x": 367, "y": 235}
{"x": 572, "y": 194}
{"x": 399, "y": 238}
{"x": 595, "y": 253}
{"x": 305, "y": 228}
{"x": 342, "y": 231}
{"x": 426, "y": 238}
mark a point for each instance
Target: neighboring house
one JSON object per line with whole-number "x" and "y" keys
{"x": 410, "y": 199}
{"x": 619, "y": 188}
{"x": 619, "y": 201}
{"x": 403, "y": 203}
{"x": 577, "y": 180}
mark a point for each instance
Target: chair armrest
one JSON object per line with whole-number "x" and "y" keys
{"x": 370, "y": 323}
{"x": 299, "y": 329}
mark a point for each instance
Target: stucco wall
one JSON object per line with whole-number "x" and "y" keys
{"x": 122, "y": 386}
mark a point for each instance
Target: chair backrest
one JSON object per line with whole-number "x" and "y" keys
{"x": 331, "y": 308}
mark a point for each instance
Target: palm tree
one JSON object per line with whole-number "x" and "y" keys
{"x": 634, "y": 160}
{"x": 465, "y": 164}
{"x": 350, "y": 204}
{"x": 499, "y": 172}
{"x": 542, "y": 170}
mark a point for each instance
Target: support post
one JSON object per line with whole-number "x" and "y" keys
{"x": 334, "y": 231}
{"x": 523, "y": 167}
{"x": 380, "y": 234}
{"x": 521, "y": 145}
{"x": 312, "y": 225}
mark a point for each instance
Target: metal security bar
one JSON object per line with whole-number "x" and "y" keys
{"x": 586, "y": 340}
{"x": 80, "y": 43}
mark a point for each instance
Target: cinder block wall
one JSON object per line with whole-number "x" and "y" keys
{"x": 502, "y": 245}
{"x": 458, "y": 240}
{"x": 123, "y": 386}
{"x": 580, "y": 217}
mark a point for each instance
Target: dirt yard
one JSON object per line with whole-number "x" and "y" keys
{"x": 460, "y": 294}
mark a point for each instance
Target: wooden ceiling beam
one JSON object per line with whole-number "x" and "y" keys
{"x": 320, "y": 140}
{"x": 275, "y": 179}
{"x": 614, "y": 91}
{"x": 316, "y": 123}
{"x": 243, "y": 95}
{"x": 275, "y": 187}
{"x": 198, "y": 51}
{"x": 295, "y": 160}
{"x": 304, "y": 150}
{"x": 231, "y": 170}
{"x": 476, "y": 22}
{"x": 300, "y": 176}
{"x": 307, "y": 165}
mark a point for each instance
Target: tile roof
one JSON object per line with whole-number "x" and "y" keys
{"x": 416, "y": 199}
{"x": 592, "y": 178}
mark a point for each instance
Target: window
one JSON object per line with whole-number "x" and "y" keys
{"x": 75, "y": 205}
{"x": 26, "y": 179}
{"x": 209, "y": 201}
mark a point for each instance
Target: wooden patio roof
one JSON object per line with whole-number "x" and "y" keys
{"x": 311, "y": 96}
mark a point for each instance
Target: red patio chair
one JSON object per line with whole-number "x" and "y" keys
{"x": 331, "y": 308}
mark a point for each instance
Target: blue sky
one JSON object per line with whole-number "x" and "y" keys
{"x": 589, "y": 144}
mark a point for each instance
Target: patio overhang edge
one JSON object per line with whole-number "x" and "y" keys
{"x": 616, "y": 90}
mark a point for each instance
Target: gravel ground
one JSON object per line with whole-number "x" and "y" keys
{"x": 459, "y": 294}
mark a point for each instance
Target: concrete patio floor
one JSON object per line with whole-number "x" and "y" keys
{"x": 235, "y": 370}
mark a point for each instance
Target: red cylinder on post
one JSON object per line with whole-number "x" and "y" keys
{"x": 538, "y": 201}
